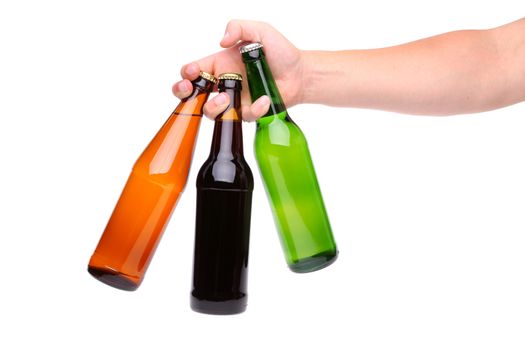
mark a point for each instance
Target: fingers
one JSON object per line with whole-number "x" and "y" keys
{"x": 250, "y": 113}
{"x": 207, "y": 64}
{"x": 238, "y": 30}
{"x": 257, "y": 109}
{"x": 222, "y": 61}
{"x": 182, "y": 89}
{"x": 227, "y": 61}
{"x": 216, "y": 105}
{"x": 190, "y": 71}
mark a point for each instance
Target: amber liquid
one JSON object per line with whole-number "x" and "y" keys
{"x": 147, "y": 201}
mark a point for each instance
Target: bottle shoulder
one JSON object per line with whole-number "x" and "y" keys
{"x": 225, "y": 173}
{"x": 171, "y": 149}
{"x": 279, "y": 132}
{"x": 276, "y": 122}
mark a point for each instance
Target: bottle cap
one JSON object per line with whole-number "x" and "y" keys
{"x": 230, "y": 76}
{"x": 208, "y": 77}
{"x": 250, "y": 47}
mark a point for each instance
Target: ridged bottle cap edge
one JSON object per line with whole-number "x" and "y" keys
{"x": 208, "y": 76}
{"x": 250, "y": 47}
{"x": 230, "y": 76}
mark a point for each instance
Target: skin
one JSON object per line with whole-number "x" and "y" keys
{"x": 459, "y": 72}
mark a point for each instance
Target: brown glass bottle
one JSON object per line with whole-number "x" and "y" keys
{"x": 151, "y": 192}
{"x": 224, "y": 199}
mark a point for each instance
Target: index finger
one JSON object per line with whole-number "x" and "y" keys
{"x": 191, "y": 70}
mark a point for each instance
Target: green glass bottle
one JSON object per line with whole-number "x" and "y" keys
{"x": 288, "y": 174}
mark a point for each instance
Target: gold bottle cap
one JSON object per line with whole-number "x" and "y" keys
{"x": 250, "y": 47}
{"x": 208, "y": 77}
{"x": 230, "y": 76}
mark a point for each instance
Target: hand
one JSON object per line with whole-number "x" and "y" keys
{"x": 285, "y": 60}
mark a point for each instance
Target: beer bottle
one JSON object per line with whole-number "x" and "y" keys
{"x": 288, "y": 174}
{"x": 151, "y": 192}
{"x": 224, "y": 200}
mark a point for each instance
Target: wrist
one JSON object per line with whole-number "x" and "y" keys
{"x": 308, "y": 72}
{"x": 320, "y": 70}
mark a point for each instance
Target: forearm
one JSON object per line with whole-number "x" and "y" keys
{"x": 453, "y": 73}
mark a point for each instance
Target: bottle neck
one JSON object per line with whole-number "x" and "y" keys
{"x": 193, "y": 105}
{"x": 227, "y": 133}
{"x": 261, "y": 82}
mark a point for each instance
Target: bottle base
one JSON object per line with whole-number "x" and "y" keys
{"x": 113, "y": 279}
{"x": 314, "y": 263}
{"x": 228, "y": 307}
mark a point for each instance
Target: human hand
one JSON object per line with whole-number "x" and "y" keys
{"x": 285, "y": 60}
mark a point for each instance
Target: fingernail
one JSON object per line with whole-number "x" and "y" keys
{"x": 226, "y": 35}
{"x": 182, "y": 87}
{"x": 260, "y": 106}
{"x": 262, "y": 101}
{"x": 220, "y": 99}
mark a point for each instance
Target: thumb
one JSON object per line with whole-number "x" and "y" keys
{"x": 259, "y": 108}
{"x": 240, "y": 30}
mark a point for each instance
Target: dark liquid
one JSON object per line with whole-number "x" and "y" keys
{"x": 222, "y": 230}
{"x": 221, "y": 251}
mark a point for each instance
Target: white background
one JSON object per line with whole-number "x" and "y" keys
{"x": 428, "y": 212}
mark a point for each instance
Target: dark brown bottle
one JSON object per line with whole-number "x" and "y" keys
{"x": 224, "y": 200}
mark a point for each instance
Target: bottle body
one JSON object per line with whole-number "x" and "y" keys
{"x": 288, "y": 175}
{"x": 222, "y": 229}
{"x": 133, "y": 232}
{"x": 291, "y": 184}
{"x": 135, "y": 227}
{"x": 222, "y": 237}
